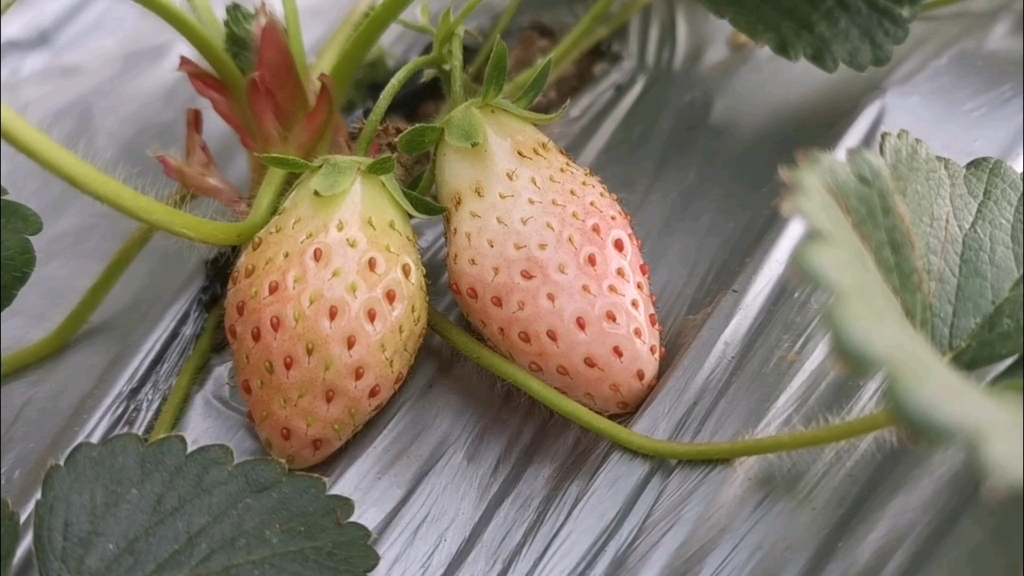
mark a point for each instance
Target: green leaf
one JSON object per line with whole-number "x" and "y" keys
{"x": 286, "y": 163}
{"x": 11, "y": 526}
{"x": 464, "y": 127}
{"x": 535, "y": 87}
{"x": 527, "y": 115}
{"x": 496, "y": 73}
{"x": 414, "y": 27}
{"x": 131, "y": 509}
{"x": 239, "y": 39}
{"x": 17, "y": 255}
{"x": 382, "y": 166}
{"x": 827, "y": 33}
{"x": 335, "y": 175}
{"x": 870, "y": 327}
{"x": 419, "y": 139}
{"x": 415, "y": 205}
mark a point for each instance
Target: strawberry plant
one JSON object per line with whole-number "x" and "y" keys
{"x": 326, "y": 306}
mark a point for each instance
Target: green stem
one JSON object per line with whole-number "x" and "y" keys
{"x": 344, "y": 64}
{"x": 566, "y": 46}
{"x": 64, "y": 164}
{"x": 341, "y": 36}
{"x": 207, "y": 17}
{"x": 94, "y": 297}
{"x": 457, "y": 91}
{"x": 611, "y": 27}
{"x": 380, "y": 108}
{"x": 937, "y": 4}
{"x": 6, "y": 6}
{"x": 182, "y": 388}
{"x": 634, "y": 441}
{"x": 296, "y": 45}
{"x": 477, "y": 66}
{"x": 209, "y": 47}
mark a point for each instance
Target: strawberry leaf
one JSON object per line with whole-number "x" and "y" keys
{"x": 382, "y": 166}
{"x": 127, "y": 508}
{"x": 334, "y": 176}
{"x": 464, "y": 127}
{"x": 286, "y": 163}
{"x": 239, "y": 39}
{"x": 415, "y": 205}
{"x": 851, "y": 252}
{"x": 535, "y": 87}
{"x": 419, "y": 139}
{"x": 496, "y": 73}
{"x": 17, "y": 223}
{"x": 827, "y": 33}
{"x": 10, "y": 524}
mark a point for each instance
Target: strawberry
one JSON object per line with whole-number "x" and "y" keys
{"x": 326, "y": 308}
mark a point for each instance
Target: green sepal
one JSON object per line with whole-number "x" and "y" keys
{"x": 535, "y": 87}
{"x": 287, "y": 163}
{"x": 464, "y": 127}
{"x": 496, "y": 73}
{"x": 335, "y": 175}
{"x": 531, "y": 117}
{"x": 417, "y": 206}
{"x": 419, "y": 139}
{"x": 382, "y": 166}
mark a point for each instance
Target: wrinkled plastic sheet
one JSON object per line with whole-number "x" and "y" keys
{"x": 463, "y": 475}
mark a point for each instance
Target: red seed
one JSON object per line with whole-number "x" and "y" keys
{"x": 471, "y": 293}
{"x": 635, "y": 304}
{"x": 640, "y": 375}
{"x": 496, "y": 301}
{"x": 455, "y": 289}
{"x": 562, "y": 370}
{"x": 286, "y": 434}
{"x": 581, "y": 323}
{"x": 645, "y": 270}
{"x": 611, "y": 317}
{"x": 360, "y": 372}
{"x": 246, "y": 387}
{"x": 592, "y": 260}
{"x": 317, "y": 444}
{"x": 534, "y": 367}
{"x": 661, "y": 353}
{"x": 249, "y": 416}
{"x": 524, "y": 337}
{"x": 275, "y": 323}
{"x": 638, "y": 333}
{"x": 654, "y": 350}
{"x": 232, "y": 331}
{"x": 240, "y": 308}
{"x": 596, "y": 228}
{"x": 371, "y": 315}
{"x": 620, "y": 272}
{"x": 375, "y": 391}
{"x": 552, "y": 336}
{"x": 526, "y": 275}
{"x": 329, "y": 396}
{"x": 622, "y": 406}
{"x": 272, "y": 287}
{"x": 590, "y": 362}
{"x": 372, "y": 264}
{"x": 351, "y": 343}
{"x": 619, "y": 245}
{"x": 653, "y": 318}
{"x": 400, "y": 378}
{"x": 332, "y": 312}
{"x": 406, "y": 270}
{"x": 317, "y": 254}
{"x": 617, "y": 350}
{"x": 288, "y": 362}
{"x": 255, "y": 333}
{"x": 390, "y": 296}
{"x": 551, "y": 297}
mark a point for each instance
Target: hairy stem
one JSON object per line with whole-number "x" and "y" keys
{"x": 208, "y": 46}
{"x": 341, "y": 36}
{"x": 630, "y": 440}
{"x": 504, "y": 21}
{"x": 64, "y": 164}
{"x": 611, "y": 27}
{"x": 296, "y": 45}
{"x": 94, "y": 297}
{"x": 207, "y": 17}
{"x": 457, "y": 73}
{"x": 342, "y": 66}
{"x": 566, "y": 46}
{"x": 380, "y": 109}
{"x": 182, "y": 388}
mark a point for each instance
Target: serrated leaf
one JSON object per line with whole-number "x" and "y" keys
{"x": 409, "y": 202}
{"x": 535, "y": 87}
{"x": 529, "y": 116}
{"x": 239, "y": 39}
{"x": 382, "y": 166}
{"x": 870, "y": 327}
{"x": 827, "y": 33}
{"x": 17, "y": 254}
{"x": 419, "y": 139}
{"x": 131, "y": 509}
{"x": 286, "y": 163}
{"x": 464, "y": 127}
{"x": 11, "y": 526}
{"x": 496, "y": 73}
{"x": 334, "y": 176}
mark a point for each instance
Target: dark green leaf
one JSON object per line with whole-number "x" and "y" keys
{"x": 334, "y": 176}
{"x": 827, "y": 33}
{"x": 239, "y": 39}
{"x": 419, "y": 139}
{"x": 131, "y": 509}
{"x": 11, "y": 526}
{"x": 535, "y": 87}
{"x": 496, "y": 73}
{"x": 998, "y": 335}
{"x": 424, "y": 207}
{"x": 286, "y": 163}
{"x": 527, "y": 115}
{"x": 464, "y": 127}
{"x": 410, "y": 201}
{"x": 870, "y": 327}
{"x": 382, "y": 166}
{"x": 17, "y": 255}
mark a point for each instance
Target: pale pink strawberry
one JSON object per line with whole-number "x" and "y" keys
{"x": 326, "y": 311}
{"x": 544, "y": 263}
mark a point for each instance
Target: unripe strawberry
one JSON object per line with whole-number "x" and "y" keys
{"x": 326, "y": 311}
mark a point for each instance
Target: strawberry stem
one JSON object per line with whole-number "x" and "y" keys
{"x": 182, "y": 388}
{"x": 73, "y": 323}
{"x": 387, "y": 96}
{"x": 64, "y": 164}
{"x": 341, "y": 36}
{"x": 293, "y": 26}
{"x": 208, "y": 46}
{"x": 457, "y": 94}
{"x": 504, "y": 21}
{"x": 633, "y": 441}
{"x": 207, "y": 18}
